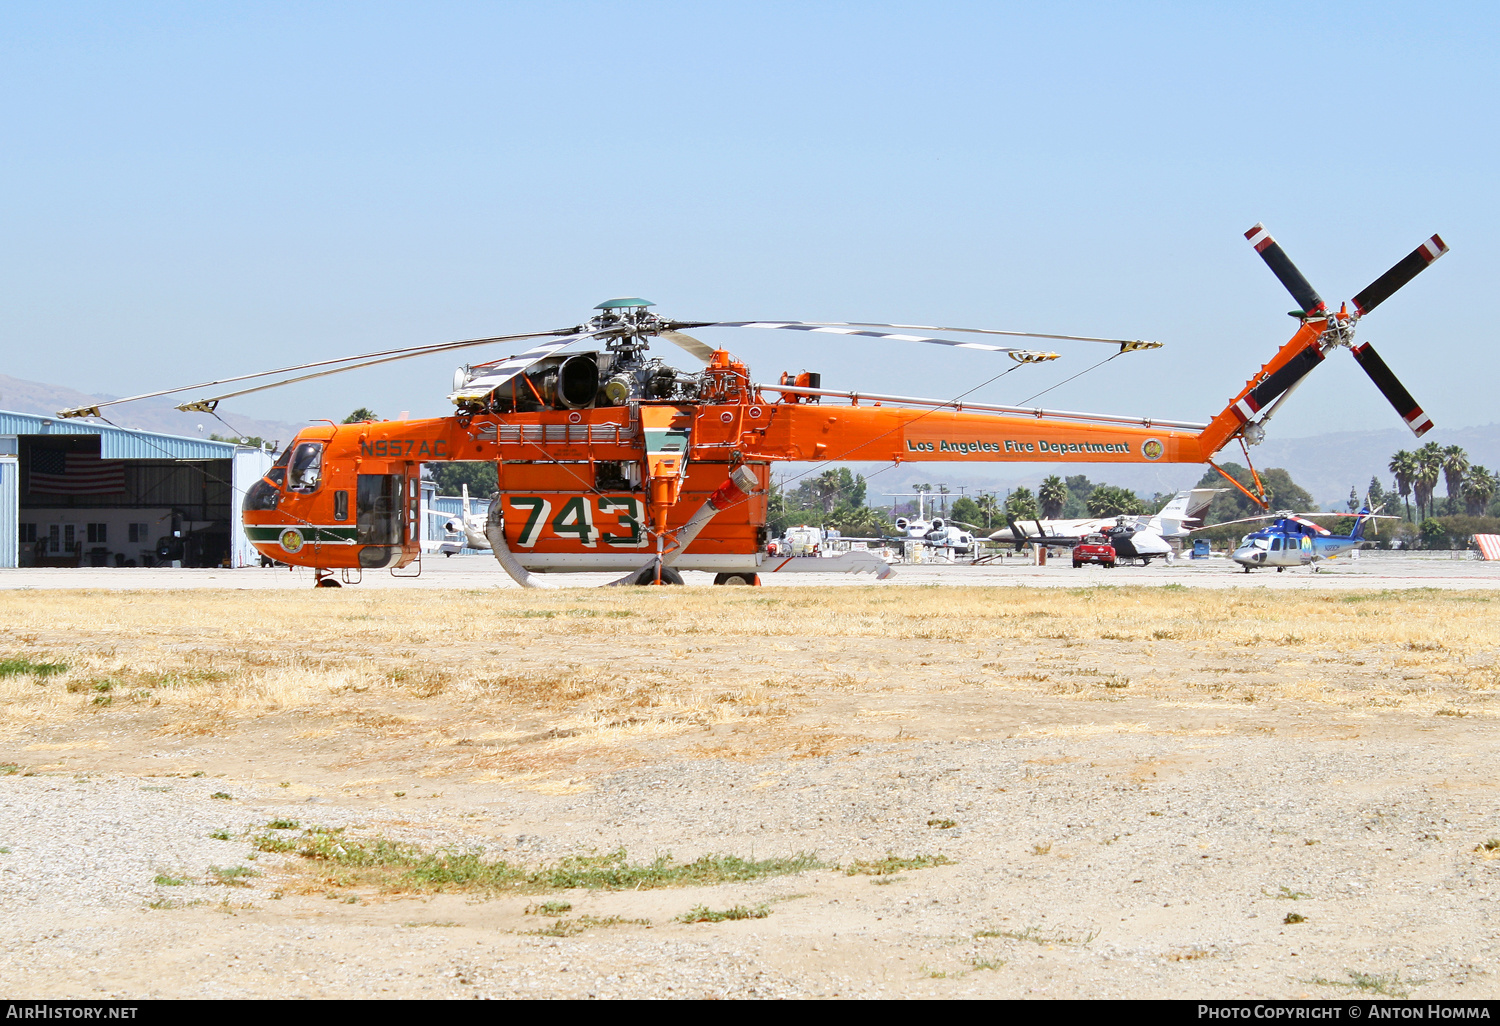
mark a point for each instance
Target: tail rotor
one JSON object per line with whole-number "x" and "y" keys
{"x": 1339, "y": 331}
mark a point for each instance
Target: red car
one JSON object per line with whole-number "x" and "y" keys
{"x": 1094, "y": 549}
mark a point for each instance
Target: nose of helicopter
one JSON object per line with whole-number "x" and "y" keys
{"x": 1248, "y": 555}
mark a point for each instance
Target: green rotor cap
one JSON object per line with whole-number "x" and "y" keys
{"x": 623, "y": 303}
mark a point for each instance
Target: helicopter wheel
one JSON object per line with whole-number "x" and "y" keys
{"x": 1280, "y": 568}
{"x": 647, "y": 576}
{"x": 736, "y": 578}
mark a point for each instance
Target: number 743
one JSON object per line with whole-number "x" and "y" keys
{"x": 588, "y": 520}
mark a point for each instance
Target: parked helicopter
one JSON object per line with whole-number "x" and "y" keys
{"x": 613, "y": 460}
{"x": 1291, "y": 540}
{"x": 951, "y": 537}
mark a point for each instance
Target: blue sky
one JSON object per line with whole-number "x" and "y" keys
{"x": 194, "y": 190}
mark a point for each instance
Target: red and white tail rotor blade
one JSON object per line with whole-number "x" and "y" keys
{"x": 1392, "y": 389}
{"x": 1407, "y": 268}
{"x": 1286, "y": 272}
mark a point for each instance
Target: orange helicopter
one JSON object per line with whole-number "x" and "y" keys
{"x": 612, "y": 460}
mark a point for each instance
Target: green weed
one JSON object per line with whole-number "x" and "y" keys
{"x": 396, "y": 866}
{"x": 1388, "y": 986}
{"x": 234, "y": 876}
{"x": 892, "y": 864}
{"x": 573, "y": 927}
{"x": 704, "y": 914}
{"x": 549, "y": 908}
{"x": 283, "y": 824}
{"x": 166, "y": 880}
{"x": 1036, "y": 936}
{"x": 22, "y": 665}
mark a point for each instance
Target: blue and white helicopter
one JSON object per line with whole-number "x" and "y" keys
{"x": 1291, "y": 540}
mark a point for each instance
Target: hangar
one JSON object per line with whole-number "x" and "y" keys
{"x": 75, "y": 493}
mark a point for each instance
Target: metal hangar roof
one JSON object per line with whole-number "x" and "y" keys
{"x": 117, "y": 443}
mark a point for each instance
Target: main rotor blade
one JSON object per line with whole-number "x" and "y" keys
{"x": 1308, "y": 523}
{"x": 208, "y": 405}
{"x": 1394, "y": 392}
{"x": 699, "y": 350}
{"x": 503, "y": 371}
{"x": 93, "y": 411}
{"x": 1281, "y": 265}
{"x": 1407, "y": 268}
{"x": 1226, "y": 523}
{"x": 836, "y": 329}
{"x": 1128, "y": 345}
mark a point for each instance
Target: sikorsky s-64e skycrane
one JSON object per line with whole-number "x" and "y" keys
{"x": 613, "y": 460}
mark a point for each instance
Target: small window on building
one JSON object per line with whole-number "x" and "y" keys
{"x": 98, "y": 534}
{"x": 53, "y": 534}
{"x": 341, "y": 505}
{"x": 70, "y": 537}
{"x": 28, "y": 533}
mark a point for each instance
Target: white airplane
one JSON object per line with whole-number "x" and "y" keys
{"x": 1146, "y": 537}
{"x": 464, "y": 531}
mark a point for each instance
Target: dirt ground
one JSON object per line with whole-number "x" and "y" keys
{"x": 1094, "y": 792}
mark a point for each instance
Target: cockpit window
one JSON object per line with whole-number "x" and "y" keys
{"x": 261, "y": 495}
{"x": 306, "y": 471}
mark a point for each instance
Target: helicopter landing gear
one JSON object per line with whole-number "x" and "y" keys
{"x": 1280, "y": 568}
{"x": 647, "y": 576}
{"x": 325, "y": 579}
{"x": 737, "y": 578}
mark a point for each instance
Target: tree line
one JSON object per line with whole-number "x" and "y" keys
{"x": 1417, "y": 474}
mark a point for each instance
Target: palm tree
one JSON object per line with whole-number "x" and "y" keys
{"x": 1478, "y": 490}
{"x": 1111, "y": 500}
{"x": 1455, "y": 466}
{"x": 989, "y": 506}
{"x": 1429, "y": 469}
{"x": 1021, "y": 504}
{"x": 1053, "y": 495}
{"x": 826, "y": 487}
{"x": 1404, "y": 467}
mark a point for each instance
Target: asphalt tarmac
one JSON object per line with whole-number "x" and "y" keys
{"x": 1371, "y": 570}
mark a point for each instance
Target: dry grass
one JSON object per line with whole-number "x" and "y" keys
{"x": 511, "y": 683}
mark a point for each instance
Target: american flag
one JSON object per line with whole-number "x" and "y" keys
{"x": 56, "y": 472}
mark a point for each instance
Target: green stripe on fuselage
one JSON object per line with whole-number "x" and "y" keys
{"x": 311, "y": 534}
